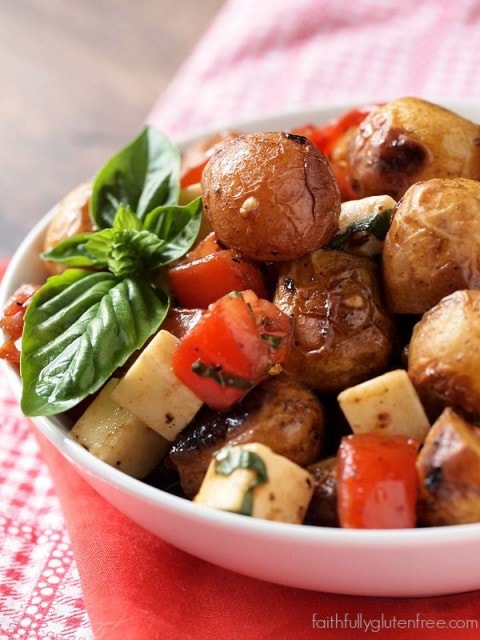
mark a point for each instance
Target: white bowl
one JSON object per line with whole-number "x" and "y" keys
{"x": 417, "y": 562}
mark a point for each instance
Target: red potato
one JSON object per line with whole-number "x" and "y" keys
{"x": 271, "y": 196}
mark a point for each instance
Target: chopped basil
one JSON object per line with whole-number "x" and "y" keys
{"x": 220, "y": 376}
{"x": 376, "y": 225}
{"x": 274, "y": 341}
{"x": 229, "y": 459}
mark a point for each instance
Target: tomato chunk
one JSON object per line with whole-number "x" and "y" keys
{"x": 197, "y": 156}
{"x": 377, "y": 481}
{"x": 11, "y": 322}
{"x": 326, "y": 136}
{"x": 231, "y": 348}
{"x": 209, "y": 244}
{"x": 198, "y": 283}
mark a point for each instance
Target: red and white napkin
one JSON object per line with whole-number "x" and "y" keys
{"x": 74, "y": 568}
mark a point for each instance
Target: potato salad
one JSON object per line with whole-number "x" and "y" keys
{"x": 279, "y": 324}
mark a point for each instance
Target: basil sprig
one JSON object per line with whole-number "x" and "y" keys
{"x": 85, "y": 323}
{"x": 131, "y": 246}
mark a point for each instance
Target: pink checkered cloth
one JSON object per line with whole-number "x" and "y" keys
{"x": 259, "y": 57}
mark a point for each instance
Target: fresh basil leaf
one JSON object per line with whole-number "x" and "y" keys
{"x": 79, "y": 327}
{"x": 98, "y": 247}
{"x": 178, "y": 226}
{"x": 143, "y": 175}
{"x": 72, "y": 252}
{"x": 134, "y": 253}
{"x": 125, "y": 218}
{"x": 221, "y": 377}
{"x": 377, "y": 225}
{"x": 125, "y": 249}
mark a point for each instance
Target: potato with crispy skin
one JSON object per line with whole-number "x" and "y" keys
{"x": 71, "y": 218}
{"x": 408, "y": 140}
{"x": 449, "y": 472}
{"x": 342, "y": 335}
{"x": 278, "y": 413}
{"x": 271, "y": 196}
{"x": 433, "y": 245}
{"x": 443, "y": 360}
{"x": 322, "y": 510}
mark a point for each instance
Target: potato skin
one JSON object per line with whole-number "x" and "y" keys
{"x": 322, "y": 510}
{"x": 271, "y": 196}
{"x": 279, "y": 413}
{"x": 443, "y": 354}
{"x": 408, "y": 140}
{"x": 71, "y": 218}
{"x": 433, "y": 245}
{"x": 342, "y": 335}
{"x": 448, "y": 468}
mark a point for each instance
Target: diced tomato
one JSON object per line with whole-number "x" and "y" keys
{"x": 377, "y": 481}
{"x": 326, "y": 136}
{"x": 180, "y": 321}
{"x": 231, "y": 348}
{"x": 193, "y": 174}
{"x": 206, "y": 246}
{"x": 342, "y": 177}
{"x": 11, "y": 322}
{"x": 200, "y": 282}
{"x": 197, "y": 156}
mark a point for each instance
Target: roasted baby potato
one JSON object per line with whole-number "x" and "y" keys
{"x": 271, "y": 196}
{"x": 443, "y": 353}
{"x": 449, "y": 472}
{"x": 278, "y": 413}
{"x": 433, "y": 245}
{"x": 341, "y": 333}
{"x": 408, "y": 140}
{"x": 322, "y": 510}
{"x": 71, "y": 218}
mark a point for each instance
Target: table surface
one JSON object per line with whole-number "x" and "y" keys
{"x": 78, "y": 80}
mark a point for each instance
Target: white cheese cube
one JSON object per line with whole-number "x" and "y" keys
{"x": 117, "y": 437}
{"x": 354, "y": 211}
{"x": 284, "y": 496}
{"x": 388, "y": 403}
{"x": 151, "y": 390}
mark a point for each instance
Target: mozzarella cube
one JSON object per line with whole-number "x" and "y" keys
{"x": 284, "y": 496}
{"x": 388, "y": 403}
{"x": 354, "y": 211}
{"x": 117, "y": 437}
{"x": 151, "y": 390}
